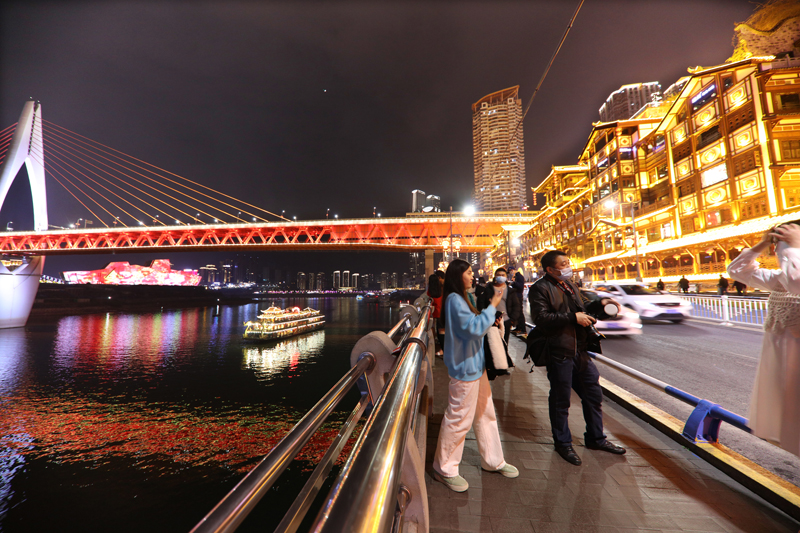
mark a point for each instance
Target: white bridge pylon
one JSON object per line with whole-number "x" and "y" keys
{"x": 18, "y": 287}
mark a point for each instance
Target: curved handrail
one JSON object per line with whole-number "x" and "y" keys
{"x": 364, "y": 497}
{"x": 237, "y": 504}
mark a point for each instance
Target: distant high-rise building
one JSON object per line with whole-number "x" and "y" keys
{"x": 301, "y": 281}
{"x": 393, "y": 281}
{"x": 320, "y": 281}
{"x": 384, "y": 280}
{"x": 311, "y": 281}
{"x": 417, "y": 200}
{"x": 346, "y": 279}
{"x": 208, "y": 274}
{"x": 226, "y": 272}
{"x": 623, "y": 103}
{"x": 366, "y": 281}
{"x": 337, "y": 279}
{"x": 498, "y": 152}
{"x": 354, "y": 278}
{"x": 434, "y": 202}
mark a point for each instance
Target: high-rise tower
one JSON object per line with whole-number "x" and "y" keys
{"x": 499, "y": 159}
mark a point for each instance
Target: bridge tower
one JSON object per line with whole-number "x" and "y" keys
{"x": 18, "y": 286}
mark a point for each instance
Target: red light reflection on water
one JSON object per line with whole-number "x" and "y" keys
{"x": 83, "y": 431}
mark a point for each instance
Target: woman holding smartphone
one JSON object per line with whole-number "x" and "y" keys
{"x": 775, "y": 403}
{"x": 470, "y": 396}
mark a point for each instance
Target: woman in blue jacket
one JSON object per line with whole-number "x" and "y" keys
{"x": 470, "y": 396}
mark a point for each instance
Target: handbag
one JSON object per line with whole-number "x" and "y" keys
{"x": 497, "y": 348}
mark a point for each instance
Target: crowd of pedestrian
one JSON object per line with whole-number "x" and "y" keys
{"x": 478, "y": 317}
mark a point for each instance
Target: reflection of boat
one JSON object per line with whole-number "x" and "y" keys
{"x": 276, "y": 323}
{"x": 271, "y": 360}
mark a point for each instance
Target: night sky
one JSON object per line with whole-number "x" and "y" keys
{"x": 307, "y": 106}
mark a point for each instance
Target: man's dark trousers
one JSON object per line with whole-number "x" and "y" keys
{"x": 564, "y": 376}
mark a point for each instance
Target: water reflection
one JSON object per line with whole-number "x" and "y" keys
{"x": 269, "y": 360}
{"x": 169, "y": 398}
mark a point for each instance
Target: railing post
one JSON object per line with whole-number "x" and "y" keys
{"x": 726, "y": 311}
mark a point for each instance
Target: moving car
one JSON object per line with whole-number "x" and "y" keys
{"x": 649, "y": 304}
{"x": 627, "y": 322}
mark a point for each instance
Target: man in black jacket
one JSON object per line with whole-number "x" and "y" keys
{"x": 560, "y": 314}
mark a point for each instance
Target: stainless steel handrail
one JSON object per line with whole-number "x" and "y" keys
{"x": 396, "y": 328}
{"x": 364, "y": 497}
{"x": 234, "y": 508}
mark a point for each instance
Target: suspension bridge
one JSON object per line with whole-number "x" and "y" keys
{"x": 134, "y": 206}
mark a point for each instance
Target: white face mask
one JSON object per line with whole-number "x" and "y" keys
{"x": 499, "y": 279}
{"x": 564, "y": 274}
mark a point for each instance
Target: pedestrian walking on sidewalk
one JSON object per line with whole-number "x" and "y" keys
{"x": 683, "y": 284}
{"x": 775, "y": 402}
{"x": 469, "y": 402}
{"x": 722, "y": 285}
{"x": 561, "y": 314}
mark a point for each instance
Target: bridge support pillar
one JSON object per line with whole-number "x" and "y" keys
{"x": 430, "y": 267}
{"x": 18, "y": 289}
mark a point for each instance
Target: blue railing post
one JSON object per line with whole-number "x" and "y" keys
{"x": 702, "y": 426}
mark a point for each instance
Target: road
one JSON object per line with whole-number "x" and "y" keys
{"x": 709, "y": 361}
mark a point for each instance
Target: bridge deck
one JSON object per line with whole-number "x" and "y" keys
{"x": 657, "y": 486}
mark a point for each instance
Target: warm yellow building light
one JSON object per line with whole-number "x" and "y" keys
{"x": 744, "y": 139}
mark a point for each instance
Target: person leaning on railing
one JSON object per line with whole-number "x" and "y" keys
{"x": 775, "y": 402}
{"x": 469, "y": 402}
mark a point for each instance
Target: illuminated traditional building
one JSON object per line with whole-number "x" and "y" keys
{"x": 700, "y": 175}
{"x": 498, "y": 152}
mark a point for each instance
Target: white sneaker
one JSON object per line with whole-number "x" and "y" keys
{"x": 455, "y": 483}
{"x": 509, "y": 471}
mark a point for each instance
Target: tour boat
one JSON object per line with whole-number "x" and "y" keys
{"x": 277, "y": 323}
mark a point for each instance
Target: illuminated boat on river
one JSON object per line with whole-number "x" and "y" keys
{"x": 277, "y": 323}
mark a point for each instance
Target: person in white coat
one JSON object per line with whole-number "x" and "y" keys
{"x": 775, "y": 403}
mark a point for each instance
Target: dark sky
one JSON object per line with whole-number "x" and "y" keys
{"x": 305, "y": 106}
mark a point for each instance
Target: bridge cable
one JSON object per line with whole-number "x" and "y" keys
{"x": 171, "y": 173}
{"x": 60, "y": 164}
{"x": 91, "y": 153}
{"x": 55, "y": 175}
{"x": 194, "y": 207}
{"x": 54, "y": 143}
{"x": 538, "y": 86}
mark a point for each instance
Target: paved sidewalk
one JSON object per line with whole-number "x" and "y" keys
{"x": 657, "y": 486}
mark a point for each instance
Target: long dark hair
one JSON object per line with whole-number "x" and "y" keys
{"x": 454, "y": 281}
{"x": 434, "y": 286}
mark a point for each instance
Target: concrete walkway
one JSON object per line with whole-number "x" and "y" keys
{"x": 657, "y": 486}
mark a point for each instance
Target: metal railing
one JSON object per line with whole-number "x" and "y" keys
{"x": 367, "y": 496}
{"x": 398, "y": 371}
{"x": 728, "y": 310}
{"x": 703, "y": 423}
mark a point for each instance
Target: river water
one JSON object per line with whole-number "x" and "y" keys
{"x": 144, "y": 421}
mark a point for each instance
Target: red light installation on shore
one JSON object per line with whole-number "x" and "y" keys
{"x": 123, "y": 273}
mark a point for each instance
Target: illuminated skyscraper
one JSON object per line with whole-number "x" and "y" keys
{"x": 301, "y": 281}
{"x": 417, "y": 200}
{"x": 627, "y": 100}
{"x": 346, "y": 278}
{"x": 498, "y": 152}
{"x": 337, "y": 279}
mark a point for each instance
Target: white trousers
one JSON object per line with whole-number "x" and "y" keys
{"x": 469, "y": 405}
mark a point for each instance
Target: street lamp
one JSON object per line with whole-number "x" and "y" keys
{"x": 610, "y": 204}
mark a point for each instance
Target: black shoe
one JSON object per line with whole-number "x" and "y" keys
{"x": 569, "y": 455}
{"x": 608, "y": 447}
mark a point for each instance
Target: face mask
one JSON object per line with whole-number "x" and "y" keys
{"x": 499, "y": 279}
{"x": 565, "y": 274}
